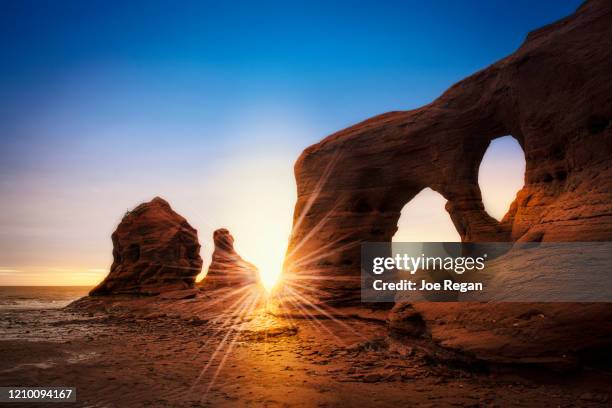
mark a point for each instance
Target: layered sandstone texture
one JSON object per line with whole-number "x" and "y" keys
{"x": 155, "y": 250}
{"x": 554, "y": 95}
{"x": 227, "y": 269}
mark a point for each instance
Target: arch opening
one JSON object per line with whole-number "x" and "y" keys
{"x": 424, "y": 219}
{"x": 501, "y": 175}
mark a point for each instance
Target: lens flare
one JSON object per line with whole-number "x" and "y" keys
{"x": 270, "y": 269}
{"x": 259, "y": 196}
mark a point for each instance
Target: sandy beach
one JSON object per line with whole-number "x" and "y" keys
{"x": 129, "y": 352}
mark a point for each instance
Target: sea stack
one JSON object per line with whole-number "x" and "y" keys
{"x": 227, "y": 268}
{"x": 155, "y": 250}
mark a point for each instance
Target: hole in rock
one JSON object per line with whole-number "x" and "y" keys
{"x": 424, "y": 219}
{"x": 501, "y": 175}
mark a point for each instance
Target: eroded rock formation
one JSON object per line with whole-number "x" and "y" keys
{"x": 227, "y": 268}
{"x": 553, "y": 95}
{"x": 155, "y": 250}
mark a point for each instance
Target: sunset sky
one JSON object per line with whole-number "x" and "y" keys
{"x": 105, "y": 105}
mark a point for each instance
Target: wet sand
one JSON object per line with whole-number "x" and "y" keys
{"x": 133, "y": 354}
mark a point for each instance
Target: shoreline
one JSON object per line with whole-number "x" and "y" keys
{"x": 135, "y": 352}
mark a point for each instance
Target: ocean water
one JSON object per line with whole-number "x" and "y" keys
{"x": 39, "y": 297}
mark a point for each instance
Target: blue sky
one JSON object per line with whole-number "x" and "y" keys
{"x": 106, "y": 104}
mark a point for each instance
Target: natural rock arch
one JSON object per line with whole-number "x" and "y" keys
{"x": 552, "y": 95}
